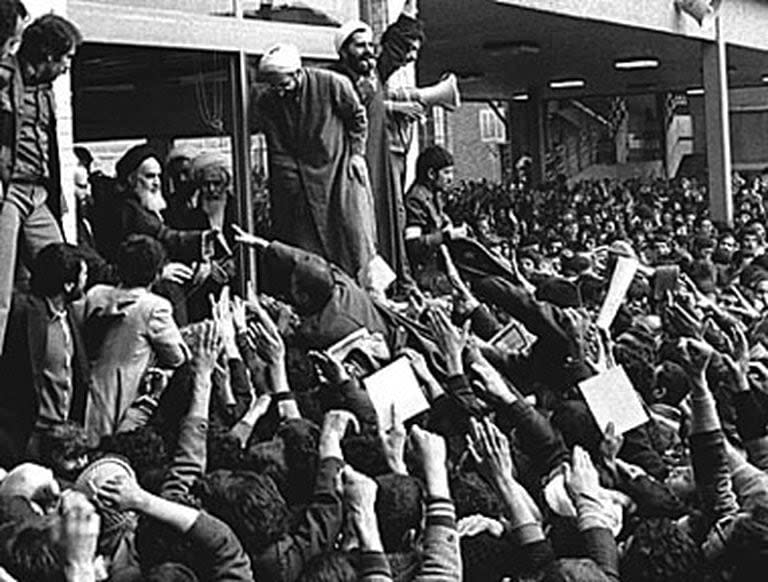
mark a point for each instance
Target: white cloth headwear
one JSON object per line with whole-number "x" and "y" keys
{"x": 348, "y": 29}
{"x": 281, "y": 58}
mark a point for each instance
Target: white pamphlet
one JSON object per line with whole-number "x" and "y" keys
{"x": 623, "y": 274}
{"x": 611, "y": 397}
{"x": 395, "y": 384}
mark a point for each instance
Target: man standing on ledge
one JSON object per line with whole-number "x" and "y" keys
{"x": 31, "y": 203}
{"x": 369, "y": 73}
{"x": 316, "y": 129}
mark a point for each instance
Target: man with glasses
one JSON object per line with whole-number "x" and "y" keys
{"x": 316, "y": 127}
{"x": 29, "y": 158}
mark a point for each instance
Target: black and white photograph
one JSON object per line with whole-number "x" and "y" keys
{"x": 383, "y": 290}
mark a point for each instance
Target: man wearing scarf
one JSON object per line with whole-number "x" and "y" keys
{"x": 316, "y": 130}
{"x": 369, "y": 73}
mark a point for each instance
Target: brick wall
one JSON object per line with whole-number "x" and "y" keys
{"x": 474, "y": 159}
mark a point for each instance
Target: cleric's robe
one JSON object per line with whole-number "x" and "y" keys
{"x": 316, "y": 203}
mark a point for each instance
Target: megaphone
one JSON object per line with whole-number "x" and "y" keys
{"x": 698, "y": 9}
{"x": 444, "y": 93}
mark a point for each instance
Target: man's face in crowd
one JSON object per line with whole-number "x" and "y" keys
{"x": 412, "y": 54}
{"x": 706, "y": 253}
{"x": 661, "y": 248}
{"x": 442, "y": 179}
{"x": 749, "y": 245}
{"x": 728, "y": 246}
{"x": 49, "y": 70}
{"x": 213, "y": 187}
{"x": 571, "y": 230}
{"x": 648, "y": 225}
{"x": 82, "y": 185}
{"x": 527, "y": 266}
{"x": 180, "y": 170}
{"x": 761, "y": 295}
{"x": 706, "y": 227}
{"x": 148, "y": 176}
{"x": 74, "y": 291}
{"x": 284, "y": 84}
{"x": 681, "y": 481}
{"x": 359, "y": 52}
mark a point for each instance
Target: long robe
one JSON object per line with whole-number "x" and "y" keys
{"x": 385, "y": 181}
{"x": 316, "y": 203}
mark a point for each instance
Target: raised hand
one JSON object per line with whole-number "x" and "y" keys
{"x": 611, "y": 444}
{"x": 680, "y": 319}
{"x": 268, "y": 342}
{"x": 121, "y": 493}
{"x": 76, "y": 534}
{"x": 430, "y": 452}
{"x": 238, "y": 314}
{"x": 359, "y": 490}
{"x": 178, "y": 273}
{"x": 223, "y": 315}
{"x": 494, "y": 388}
{"x": 451, "y": 340}
{"x": 464, "y": 302}
{"x": 336, "y": 423}
{"x": 696, "y": 357}
{"x": 426, "y": 379}
{"x": 360, "y": 502}
{"x": 490, "y": 449}
{"x": 249, "y": 239}
{"x": 393, "y": 438}
{"x": 581, "y": 478}
{"x": 207, "y": 347}
{"x": 328, "y": 367}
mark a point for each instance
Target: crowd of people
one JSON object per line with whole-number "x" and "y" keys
{"x": 157, "y": 425}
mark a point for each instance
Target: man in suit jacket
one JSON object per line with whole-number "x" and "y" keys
{"x": 44, "y": 368}
{"x": 127, "y": 328}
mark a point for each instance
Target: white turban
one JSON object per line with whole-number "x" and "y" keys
{"x": 348, "y": 29}
{"x": 281, "y": 58}
{"x": 210, "y": 160}
{"x": 181, "y": 152}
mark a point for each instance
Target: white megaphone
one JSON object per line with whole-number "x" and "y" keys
{"x": 444, "y": 93}
{"x": 698, "y": 9}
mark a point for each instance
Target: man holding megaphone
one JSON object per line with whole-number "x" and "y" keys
{"x": 406, "y": 105}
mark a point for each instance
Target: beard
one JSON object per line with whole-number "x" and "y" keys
{"x": 152, "y": 200}
{"x": 363, "y": 64}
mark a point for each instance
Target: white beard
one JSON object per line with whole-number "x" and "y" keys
{"x": 152, "y": 201}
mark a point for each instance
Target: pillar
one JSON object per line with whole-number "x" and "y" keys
{"x": 526, "y": 132}
{"x": 715, "y": 70}
{"x": 241, "y": 164}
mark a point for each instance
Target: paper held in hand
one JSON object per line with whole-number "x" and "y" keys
{"x": 395, "y": 384}
{"x": 611, "y": 397}
{"x": 341, "y": 348}
{"x": 623, "y": 274}
{"x": 513, "y": 338}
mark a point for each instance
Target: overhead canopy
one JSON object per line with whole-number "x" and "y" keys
{"x": 499, "y": 49}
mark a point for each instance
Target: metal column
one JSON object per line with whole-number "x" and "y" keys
{"x": 715, "y": 69}
{"x": 241, "y": 162}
